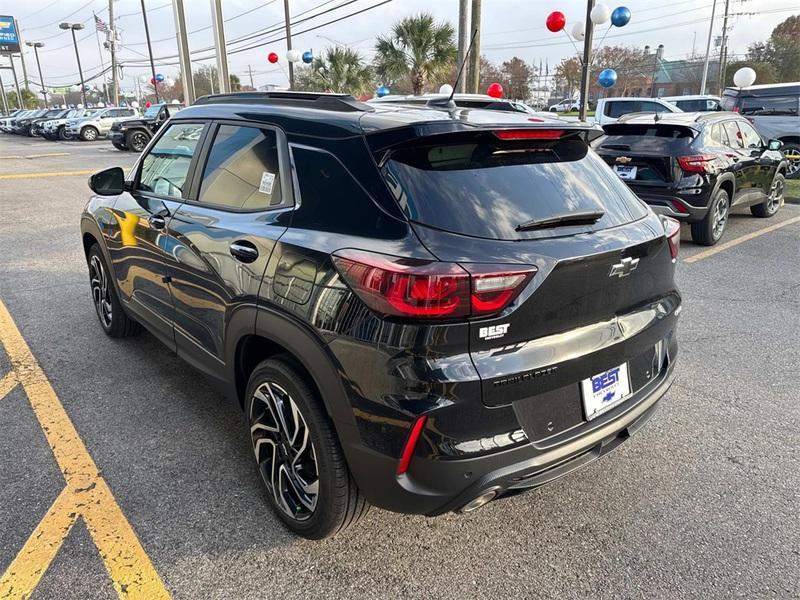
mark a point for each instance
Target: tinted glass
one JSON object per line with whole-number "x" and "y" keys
{"x": 647, "y": 138}
{"x": 242, "y": 170}
{"x": 486, "y": 189}
{"x": 165, "y": 167}
{"x": 716, "y": 136}
{"x": 331, "y": 200}
{"x": 653, "y": 107}
{"x": 751, "y": 137}
{"x": 734, "y": 135}
{"x": 779, "y": 105}
{"x": 696, "y": 105}
{"x": 728, "y": 101}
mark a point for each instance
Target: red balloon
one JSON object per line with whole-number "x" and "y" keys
{"x": 152, "y": 81}
{"x": 495, "y": 90}
{"x": 556, "y": 21}
{"x": 147, "y": 104}
{"x": 272, "y": 57}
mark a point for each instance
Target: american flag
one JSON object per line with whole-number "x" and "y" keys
{"x": 99, "y": 24}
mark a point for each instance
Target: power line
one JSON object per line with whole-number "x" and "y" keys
{"x": 61, "y": 20}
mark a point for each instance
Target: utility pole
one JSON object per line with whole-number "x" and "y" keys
{"x": 219, "y": 41}
{"x": 708, "y": 49}
{"x": 250, "y": 71}
{"x": 289, "y": 42}
{"x": 183, "y": 52}
{"x": 463, "y": 40}
{"x": 36, "y": 46}
{"x": 3, "y": 94}
{"x": 586, "y": 65}
{"x": 112, "y": 42}
{"x": 150, "y": 51}
{"x": 20, "y": 103}
{"x": 475, "y": 55}
{"x": 22, "y": 57}
{"x": 723, "y": 51}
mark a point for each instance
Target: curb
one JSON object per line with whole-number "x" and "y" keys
{"x": 791, "y": 200}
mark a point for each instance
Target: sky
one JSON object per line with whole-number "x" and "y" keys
{"x": 509, "y": 28}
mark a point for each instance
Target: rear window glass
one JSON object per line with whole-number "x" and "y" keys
{"x": 696, "y": 105}
{"x": 486, "y": 189}
{"x": 649, "y": 138}
{"x": 776, "y": 106}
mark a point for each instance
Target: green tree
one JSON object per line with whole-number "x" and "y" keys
{"x": 29, "y": 99}
{"x": 417, "y": 46}
{"x": 340, "y": 70}
{"x": 517, "y": 78}
{"x": 781, "y": 51}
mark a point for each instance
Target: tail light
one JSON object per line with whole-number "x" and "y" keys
{"x": 736, "y": 109}
{"x": 411, "y": 444}
{"x": 403, "y": 287}
{"x": 696, "y": 163}
{"x": 672, "y": 229}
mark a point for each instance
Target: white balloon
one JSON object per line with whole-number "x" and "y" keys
{"x": 600, "y": 14}
{"x": 169, "y": 82}
{"x": 446, "y": 89}
{"x": 101, "y": 104}
{"x": 293, "y": 56}
{"x": 744, "y": 77}
{"x": 579, "y": 30}
{"x": 134, "y": 104}
{"x": 75, "y": 88}
{"x": 175, "y": 101}
{"x": 144, "y": 79}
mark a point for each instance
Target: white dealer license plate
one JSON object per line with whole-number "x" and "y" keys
{"x": 625, "y": 172}
{"x": 605, "y": 390}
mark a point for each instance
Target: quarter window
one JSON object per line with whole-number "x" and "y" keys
{"x": 717, "y": 136}
{"x": 242, "y": 171}
{"x": 734, "y": 135}
{"x": 165, "y": 167}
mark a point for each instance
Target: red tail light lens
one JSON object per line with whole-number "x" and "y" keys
{"x": 403, "y": 287}
{"x": 411, "y": 444}
{"x": 672, "y": 229}
{"x": 736, "y": 109}
{"x": 529, "y": 134}
{"x": 696, "y": 163}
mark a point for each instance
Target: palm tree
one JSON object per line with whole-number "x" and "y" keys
{"x": 418, "y": 47}
{"x": 339, "y": 70}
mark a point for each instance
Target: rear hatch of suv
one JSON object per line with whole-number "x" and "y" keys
{"x": 602, "y": 294}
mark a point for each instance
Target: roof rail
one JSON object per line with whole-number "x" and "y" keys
{"x": 338, "y": 102}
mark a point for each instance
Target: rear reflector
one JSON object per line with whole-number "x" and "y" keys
{"x": 695, "y": 164}
{"x": 672, "y": 229}
{"x": 403, "y": 287}
{"x": 529, "y": 134}
{"x": 411, "y": 444}
{"x": 680, "y": 207}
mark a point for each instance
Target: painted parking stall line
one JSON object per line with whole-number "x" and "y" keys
{"x": 86, "y": 494}
{"x": 53, "y": 174}
{"x": 735, "y": 242}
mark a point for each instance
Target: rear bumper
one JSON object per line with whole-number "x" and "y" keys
{"x": 434, "y": 487}
{"x": 683, "y": 203}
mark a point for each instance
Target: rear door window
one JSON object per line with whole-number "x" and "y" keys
{"x": 750, "y": 135}
{"x": 166, "y": 166}
{"x": 242, "y": 171}
{"x": 734, "y": 135}
{"x": 486, "y": 189}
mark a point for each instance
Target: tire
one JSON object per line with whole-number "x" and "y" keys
{"x": 89, "y": 134}
{"x": 136, "y": 140}
{"x": 709, "y": 231}
{"x": 113, "y": 318}
{"x": 774, "y": 201}
{"x": 285, "y": 461}
{"x": 792, "y": 149}
{"x": 119, "y": 146}
{"x": 63, "y": 135}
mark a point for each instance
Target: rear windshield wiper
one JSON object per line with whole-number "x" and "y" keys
{"x": 586, "y": 217}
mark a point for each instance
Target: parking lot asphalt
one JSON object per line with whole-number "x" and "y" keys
{"x": 703, "y": 502}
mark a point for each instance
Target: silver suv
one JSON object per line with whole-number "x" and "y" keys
{"x": 99, "y": 124}
{"x": 55, "y": 129}
{"x": 774, "y": 110}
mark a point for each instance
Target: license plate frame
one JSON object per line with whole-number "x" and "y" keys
{"x": 626, "y": 172}
{"x": 603, "y": 391}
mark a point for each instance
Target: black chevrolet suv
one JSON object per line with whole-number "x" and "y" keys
{"x": 421, "y": 308}
{"x": 134, "y": 134}
{"x": 696, "y": 167}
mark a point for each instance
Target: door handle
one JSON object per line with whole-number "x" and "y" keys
{"x": 159, "y": 220}
{"x": 244, "y": 251}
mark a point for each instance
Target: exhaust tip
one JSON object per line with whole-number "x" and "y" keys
{"x": 479, "y": 501}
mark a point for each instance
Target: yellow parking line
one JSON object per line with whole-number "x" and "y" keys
{"x": 7, "y": 383}
{"x": 55, "y": 174}
{"x": 86, "y": 495}
{"x": 735, "y": 242}
{"x": 36, "y": 155}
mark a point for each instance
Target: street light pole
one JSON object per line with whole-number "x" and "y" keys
{"x": 150, "y": 51}
{"x": 708, "y": 49}
{"x": 73, "y": 27}
{"x": 36, "y": 46}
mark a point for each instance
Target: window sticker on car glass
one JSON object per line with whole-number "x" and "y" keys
{"x": 267, "y": 180}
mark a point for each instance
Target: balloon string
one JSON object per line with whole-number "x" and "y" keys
{"x": 571, "y": 41}
{"x": 603, "y": 39}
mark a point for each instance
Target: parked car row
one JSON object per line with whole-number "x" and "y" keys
{"x": 124, "y": 126}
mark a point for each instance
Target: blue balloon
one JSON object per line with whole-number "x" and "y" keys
{"x": 159, "y": 77}
{"x": 382, "y": 91}
{"x": 607, "y": 78}
{"x": 308, "y": 56}
{"x": 620, "y": 16}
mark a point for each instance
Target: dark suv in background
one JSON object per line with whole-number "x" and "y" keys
{"x": 774, "y": 110}
{"x": 695, "y": 167}
{"x": 422, "y": 308}
{"x": 134, "y": 134}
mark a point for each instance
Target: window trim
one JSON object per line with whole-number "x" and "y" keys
{"x": 189, "y": 172}
{"x": 287, "y": 199}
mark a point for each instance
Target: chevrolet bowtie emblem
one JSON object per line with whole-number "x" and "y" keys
{"x": 624, "y": 267}
{"x": 624, "y": 160}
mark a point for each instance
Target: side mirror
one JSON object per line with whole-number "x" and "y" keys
{"x": 110, "y": 182}
{"x": 775, "y": 144}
